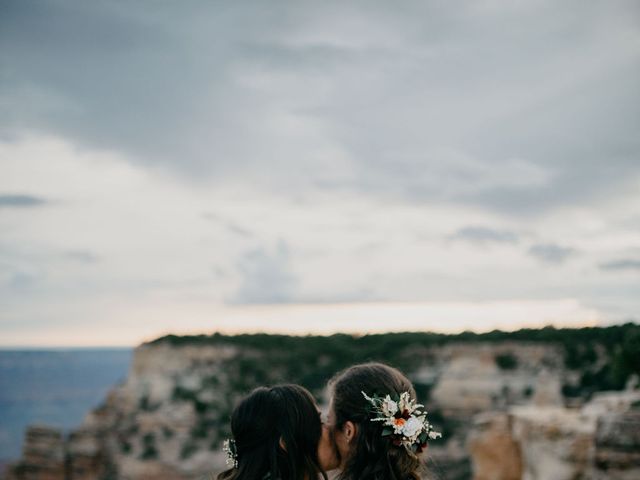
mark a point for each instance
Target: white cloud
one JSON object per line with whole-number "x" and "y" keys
{"x": 157, "y": 148}
{"x": 152, "y": 240}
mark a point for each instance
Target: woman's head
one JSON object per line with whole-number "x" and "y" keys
{"x": 365, "y": 454}
{"x": 276, "y": 431}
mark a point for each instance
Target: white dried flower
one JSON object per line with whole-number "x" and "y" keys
{"x": 389, "y": 407}
{"x": 229, "y": 448}
{"x": 412, "y": 427}
{"x": 405, "y": 402}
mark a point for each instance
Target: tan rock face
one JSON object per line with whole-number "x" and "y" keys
{"x": 548, "y": 391}
{"x": 472, "y": 379}
{"x": 163, "y": 423}
{"x": 494, "y": 452}
{"x": 541, "y": 443}
{"x": 87, "y": 457}
{"x": 556, "y": 442}
{"x": 43, "y": 456}
{"x": 617, "y": 445}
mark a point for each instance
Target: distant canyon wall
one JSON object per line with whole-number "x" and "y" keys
{"x": 500, "y": 405}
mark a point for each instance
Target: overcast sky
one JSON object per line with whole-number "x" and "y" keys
{"x": 316, "y": 166}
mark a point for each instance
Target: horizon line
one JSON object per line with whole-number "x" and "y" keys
{"x": 7, "y": 348}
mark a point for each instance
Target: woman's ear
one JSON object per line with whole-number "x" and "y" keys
{"x": 282, "y": 444}
{"x": 350, "y": 430}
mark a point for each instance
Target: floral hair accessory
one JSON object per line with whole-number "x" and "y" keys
{"x": 404, "y": 421}
{"x": 229, "y": 447}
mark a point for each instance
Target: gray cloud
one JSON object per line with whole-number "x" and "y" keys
{"x": 518, "y": 108}
{"x": 429, "y": 103}
{"x": 81, "y": 256}
{"x": 625, "y": 264}
{"x": 19, "y": 282}
{"x": 483, "y": 235}
{"x": 20, "y": 201}
{"x": 266, "y": 277}
{"x": 230, "y": 225}
{"x": 366, "y": 293}
{"x": 550, "y": 252}
{"x": 22, "y": 280}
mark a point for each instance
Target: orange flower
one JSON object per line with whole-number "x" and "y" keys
{"x": 399, "y": 422}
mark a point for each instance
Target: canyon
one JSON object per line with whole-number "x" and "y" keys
{"x": 509, "y": 408}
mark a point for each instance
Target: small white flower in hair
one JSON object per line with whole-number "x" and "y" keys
{"x": 229, "y": 448}
{"x": 412, "y": 427}
{"x": 389, "y": 407}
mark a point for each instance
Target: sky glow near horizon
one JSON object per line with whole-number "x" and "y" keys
{"x": 312, "y": 168}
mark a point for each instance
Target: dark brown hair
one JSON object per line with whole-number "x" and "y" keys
{"x": 373, "y": 457}
{"x": 259, "y": 423}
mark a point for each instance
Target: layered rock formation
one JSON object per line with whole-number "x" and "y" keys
{"x": 496, "y": 454}
{"x": 617, "y": 446}
{"x": 43, "y": 456}
{"x": 540, "y": 442}
{"x": 480, "y": 377}
{"x": 165, "y": 422}
{"x": 168, "y": 420}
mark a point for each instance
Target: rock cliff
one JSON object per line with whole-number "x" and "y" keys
{"x": 170, "y": 416}
{"x": 165, "y": 421}
{"x": 539, "y": 442}
{"x": 43, "y": 456}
